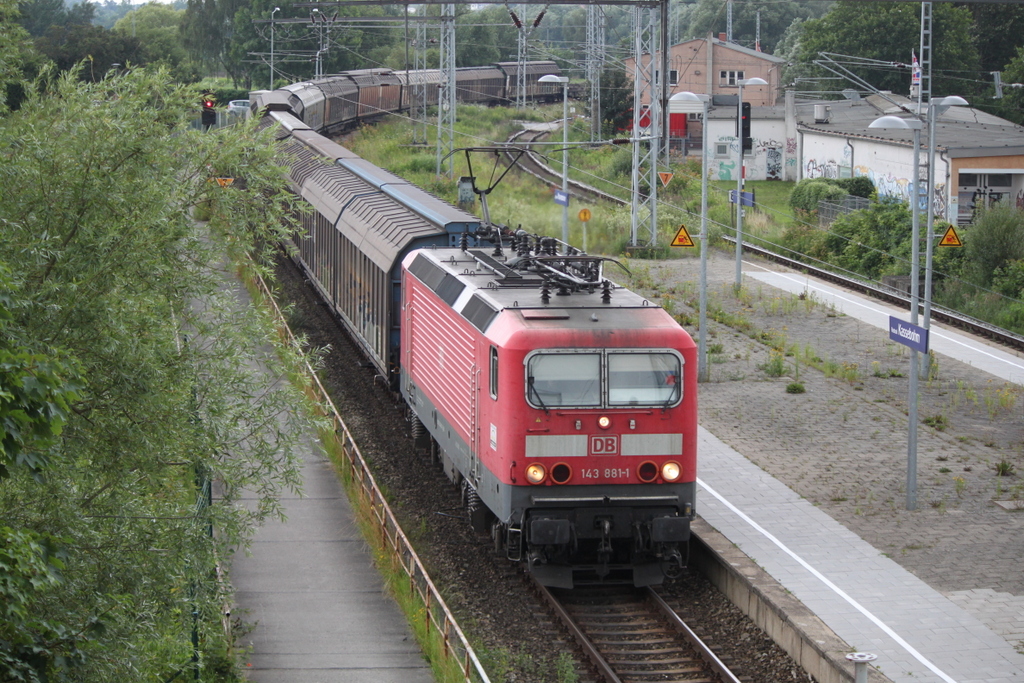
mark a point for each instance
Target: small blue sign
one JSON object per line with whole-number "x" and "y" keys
{"x": 746, "y": 198}
{"x": 561, "y": 198}
{"x": 908, "y": 334}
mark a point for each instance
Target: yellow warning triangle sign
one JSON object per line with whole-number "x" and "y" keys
{"x": 950, "y": 239}
{"x": 682, "y": 238}
{"x": 666, "y": 178}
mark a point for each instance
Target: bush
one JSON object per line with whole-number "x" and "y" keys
{"x": 808, "y": 192}
{"x": 995, "y": 240}
{"x": 860, "y": 186}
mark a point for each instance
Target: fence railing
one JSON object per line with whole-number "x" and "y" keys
{"x": 828, "y": 212}
{"x": 438, "y": 616}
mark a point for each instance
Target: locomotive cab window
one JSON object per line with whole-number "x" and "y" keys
{"x": 494, "y": 373}
{"x": 643, "y": 379}
{"x": 563, "y": 379}
{"x": 610, "y": 378}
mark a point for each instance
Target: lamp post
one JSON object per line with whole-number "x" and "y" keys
{"x": 275, "y": 10}
{"x": 702, "y": 323}
{"x": 895, "y": 122}
{"x": 935, "y": 107}
{"x": 739, "y": 174}
{"x": 564, "y": 80}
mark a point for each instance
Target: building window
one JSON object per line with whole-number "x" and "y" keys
{"x": 1000, "y": 180}
{"x": 729, "y": 77}
{"x": 673, "y": 77}
{"x": 722, "y": 149}
{"x": 694, "y": 116}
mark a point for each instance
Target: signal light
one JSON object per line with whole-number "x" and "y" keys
{"x": 744, "y": 130}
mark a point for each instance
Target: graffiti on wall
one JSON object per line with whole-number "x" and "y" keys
{"x": 773, "y": 163}
{"x": 821, "y": 169}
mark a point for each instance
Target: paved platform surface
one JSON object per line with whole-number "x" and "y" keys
{"x": 317, "y": 601}
{"x": 310, "y": 589}
{"x": 921, "y": 632}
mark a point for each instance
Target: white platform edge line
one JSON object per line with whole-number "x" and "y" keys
{"x": 836, "y": 589}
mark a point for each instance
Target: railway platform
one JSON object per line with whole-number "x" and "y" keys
{"x": 945, "y": 605}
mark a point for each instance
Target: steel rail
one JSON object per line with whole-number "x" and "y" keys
{"x": 712, "y": 660}
{"x": 891, "y": 295}
{"x": 604, "y": 669}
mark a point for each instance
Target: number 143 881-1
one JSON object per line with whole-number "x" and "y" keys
{"x": 605, "y": 472}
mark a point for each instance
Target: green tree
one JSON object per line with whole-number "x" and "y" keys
{"x": 108, "y": 266}
{"x": 157, "y": 28}
{"x": 710, "y": 16}
{"x": 997, "y": 33}
{"x": 38, "y": 16}
{"x": 14, "y": 45}
{"x": 616, "y": 100}
{"x": 888, "y": 32}
{"x": 102, "y": 49}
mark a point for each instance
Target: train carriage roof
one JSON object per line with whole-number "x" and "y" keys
{"x": 382, "y": 214}
{"x": 368, "y": 77}
{"x": 439, "y": 212}
{"x": 480, "y": 286}
{"x": 338, "y": 86}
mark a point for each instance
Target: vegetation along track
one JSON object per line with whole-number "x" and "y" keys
{"x": 632, "y": 636}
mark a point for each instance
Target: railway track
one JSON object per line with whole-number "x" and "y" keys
{"x": 893, "y": 296}
{"x": 633, "y": 636}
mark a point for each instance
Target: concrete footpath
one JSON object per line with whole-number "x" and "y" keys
{"x": 317, "y": 601}
{"x": 310, "y": 590}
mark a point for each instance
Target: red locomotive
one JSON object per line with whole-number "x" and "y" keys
{"x": 564, "y": 405}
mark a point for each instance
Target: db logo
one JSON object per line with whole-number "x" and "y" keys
{"x": 604, "y": 445}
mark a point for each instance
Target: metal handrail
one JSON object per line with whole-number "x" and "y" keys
{"x": 437, "y": 612}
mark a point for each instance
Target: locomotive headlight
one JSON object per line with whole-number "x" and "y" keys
{"x": 535, "y": 473}
{"x": 670, "y": 471}
{"x": 604, "y": 422}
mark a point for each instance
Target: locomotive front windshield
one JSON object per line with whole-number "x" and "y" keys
{"x": 610, "y": 378}
{"x": 564, "y": 379}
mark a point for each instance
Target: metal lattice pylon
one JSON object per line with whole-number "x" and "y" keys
{"x": 418, "y": 101}
{"x": 522, "y": 51}
{"x": 446, "y": 95}
{"x": 595, "y": 64}
{"x": 645, "y": 147}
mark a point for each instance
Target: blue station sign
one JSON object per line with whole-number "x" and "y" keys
{"x": 561, "y": 198}
{"x": 908, "y": 334}
{"x": 746, "y": 198}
